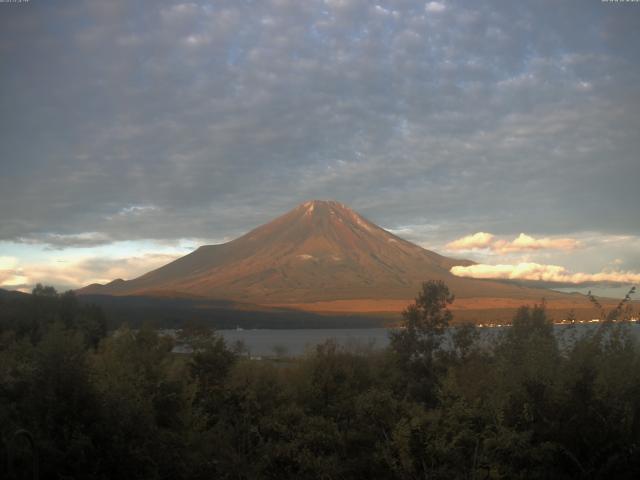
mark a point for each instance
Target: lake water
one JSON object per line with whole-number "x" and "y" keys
{"x": 292, "y": 342}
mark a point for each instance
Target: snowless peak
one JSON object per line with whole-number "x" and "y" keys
{"x": 336, "y": 211}
{"x": 316, "y": 203}
{"x": 319, "y": 251}
{"x": 309, "y": 206}
{"x": 329, "y": 205}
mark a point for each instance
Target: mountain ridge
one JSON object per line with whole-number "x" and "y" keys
{"x": 317, "y": 252}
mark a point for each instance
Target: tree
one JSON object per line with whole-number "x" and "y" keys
{"x": 91, "y": 321}
{"x": 464, "y": 339}
{"x": 210, "y": 365}
{"x": 418, "y": 343}
{"x": 44, "y": 291}
{"x": 616, "y": 313}
{"x": 61, "y": 405}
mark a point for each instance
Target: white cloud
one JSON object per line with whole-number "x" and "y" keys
{"x": 10, "y": 275}
{"x": 525, "y": 242}
{"x": 179, "y": 12}
{"x": 435, "y": 7}
{"x": 342, "y": 4}
{"x": 197, "y": 40}
{"x": 385, "y": 11}
{"x": 78, "y": 273}
{"x": 541, "y": 272}
{"x": 470, "y": 242}
{"x": 137, "y": 209}
{"x": 8, "y": 263}
{"x": 522, "y": 243}
{"x": 13, "y": 281}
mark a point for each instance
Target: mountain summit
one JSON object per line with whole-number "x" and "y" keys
{"x": 321, "y": 251}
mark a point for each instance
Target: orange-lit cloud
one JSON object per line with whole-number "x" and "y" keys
{"x": 471, "y": 242}
{"x": 78, "y": 273}
{"x": 8, "y": 273}
{"x": 522, "y": 243}
{"x": 543, "y": 273}
{"x": 525, "y": 242}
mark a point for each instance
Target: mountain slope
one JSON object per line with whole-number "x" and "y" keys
{"x": 319, "y": 251}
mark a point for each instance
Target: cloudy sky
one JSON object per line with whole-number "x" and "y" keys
{"x": 506, "y": 132}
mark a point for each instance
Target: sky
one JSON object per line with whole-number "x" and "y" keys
{"x": 504, "y": 132}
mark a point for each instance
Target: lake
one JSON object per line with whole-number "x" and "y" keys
{"x": 292, "y": 342}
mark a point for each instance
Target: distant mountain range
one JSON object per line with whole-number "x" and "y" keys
{"x": 322, "y": 256}
{"x": 11, "y": 294}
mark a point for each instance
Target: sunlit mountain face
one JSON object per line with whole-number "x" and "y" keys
{"x": 324, "y": 256}
{"x": 321, "y": 250}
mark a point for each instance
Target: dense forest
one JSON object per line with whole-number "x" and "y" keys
{"x": 79, "y": 402}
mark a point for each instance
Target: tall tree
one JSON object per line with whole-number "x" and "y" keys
{"x": 417, "y": 345}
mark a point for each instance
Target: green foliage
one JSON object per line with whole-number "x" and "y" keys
{"x": 622, "y": 311}
{"x": 442, "y": 402}
{"x": 465, "y": 340}
{"x": 417, "y": 345}
{"x": 33, "y": 316}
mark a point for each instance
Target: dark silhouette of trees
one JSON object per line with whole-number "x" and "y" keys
{"x": 417, "y": 345}
{"x": 441, "y": 402}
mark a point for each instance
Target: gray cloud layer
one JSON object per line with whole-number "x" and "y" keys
{"x": 155, "y": 119}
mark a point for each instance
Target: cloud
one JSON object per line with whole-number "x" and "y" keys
{"x": 14, "y": 282}
{"x": 8, "y": 263}
{"x": 223, "y": 115}
{"x": 73, "y": 274}
{"x": 470, "y": 242}
{"x": 61, "y": 241}
{"x": 542, "y": 273}
{"x": 522, "y": 243}
{"x": 525, "y": 243}
{"x": 435, "y": 7}
{"x": 9, "y": 273}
